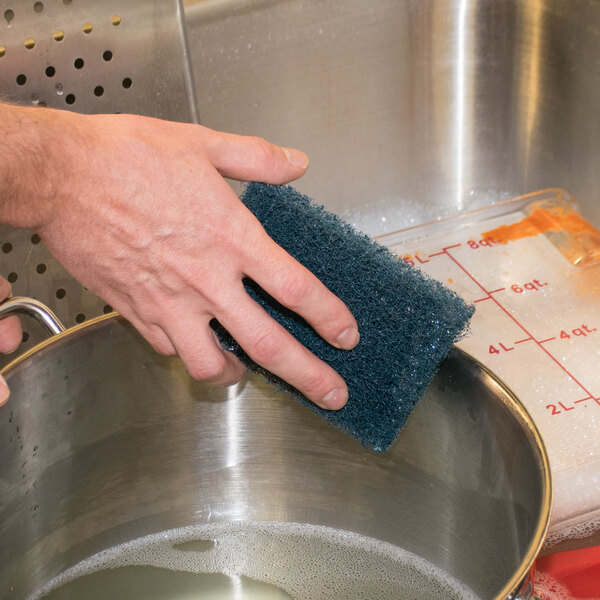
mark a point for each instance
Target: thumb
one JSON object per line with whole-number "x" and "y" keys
{"x": 4, "y": 391}
{"x": 254, "y": 159}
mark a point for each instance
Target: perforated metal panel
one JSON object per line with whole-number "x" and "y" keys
{"x": 92, "y": 57}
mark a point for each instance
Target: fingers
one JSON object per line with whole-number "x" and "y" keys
{"x": 294, "y": 286}
{"x": 253, "y": 159}
{"x": 4, "y": 391}
{"x": 204, "y": 356}
{"x": 192, "y": 339}
{"x": 10, "y": 327}
{"x": 10, "y": 334}
{"x": 275, "y": 349}
{"x": 10, "y": 337}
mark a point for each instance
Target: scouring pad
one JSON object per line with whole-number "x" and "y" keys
{"x": 407, "y": 321}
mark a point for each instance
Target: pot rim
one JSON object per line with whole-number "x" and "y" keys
{"x": 523, "y": 573}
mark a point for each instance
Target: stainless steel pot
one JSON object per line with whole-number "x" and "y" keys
{"x": 104, "y": 441}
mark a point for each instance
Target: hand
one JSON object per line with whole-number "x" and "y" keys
{"x": 10, "y": 336}
{"x": 144, "y": 219}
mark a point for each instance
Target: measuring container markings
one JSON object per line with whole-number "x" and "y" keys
{"x": 537, "y": 327}
{"x": 537, "y": 317}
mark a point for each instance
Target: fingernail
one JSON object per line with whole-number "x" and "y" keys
{"x": 348, "y": 339}
{"x": 296, "y": 158}
{"x": 335, "y": 399}
{"x": 4, "y": 391}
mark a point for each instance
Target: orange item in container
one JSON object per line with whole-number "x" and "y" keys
{"x": 565, "y": 228}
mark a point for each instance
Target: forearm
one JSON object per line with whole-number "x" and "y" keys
{"x": 34, "y": 159}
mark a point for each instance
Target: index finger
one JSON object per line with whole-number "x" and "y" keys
{"x": 10, "y": 327}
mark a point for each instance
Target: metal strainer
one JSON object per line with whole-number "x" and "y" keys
{"x": 89, "y": 57}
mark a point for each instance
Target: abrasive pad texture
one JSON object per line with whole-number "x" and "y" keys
{"x": 407, "y": 321}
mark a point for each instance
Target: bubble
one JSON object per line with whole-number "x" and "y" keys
{"x": 578, "y": 530}
{"x": 273, "y": 560}
{"x": 548, "y": 587}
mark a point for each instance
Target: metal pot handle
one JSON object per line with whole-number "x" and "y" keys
{"x": 525, "y": 592}
{"x": 34, "y": 308}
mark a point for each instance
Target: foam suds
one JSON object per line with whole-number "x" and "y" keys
{"x": 255, "y": 560}
{"x": 576, "y": 488}
{"x": 547, "y": 588}
{"x": 575, "y": 531}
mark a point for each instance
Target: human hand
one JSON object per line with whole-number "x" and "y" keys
{"x": 10, "y": 336}
{"x": 144, "y": 219}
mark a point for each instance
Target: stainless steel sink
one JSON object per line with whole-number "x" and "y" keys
{"x": 410, "y": 110}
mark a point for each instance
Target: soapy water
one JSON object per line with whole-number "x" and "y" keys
{"x": 547, "y": 588}
{"x": 564, "y": 532}
{"x": 376, "y": 217}
{"x": 249, "y": 560}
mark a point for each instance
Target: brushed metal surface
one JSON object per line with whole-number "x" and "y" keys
{"x": 90, "y": 57}
{"x": 410, "y": 110}
{"x": 104, "y": 441}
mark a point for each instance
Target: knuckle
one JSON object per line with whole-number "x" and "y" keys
{"x": 265, "y": 153}
{"x": 233, "y": 378}
{"x": 164, "y": 347}
{"x": 294, "y": 290}
{"x": 315, "y": 383}
{"x": 158, "y": 340}
{"x": 266, "y": 348}
{"x": 208, "y": 370}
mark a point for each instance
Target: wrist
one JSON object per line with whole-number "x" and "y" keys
{"x": 38, "y": 157}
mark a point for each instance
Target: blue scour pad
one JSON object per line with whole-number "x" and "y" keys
{"x": 407, "y": 321}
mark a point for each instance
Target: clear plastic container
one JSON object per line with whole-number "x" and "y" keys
{"x": 531, "y": 266}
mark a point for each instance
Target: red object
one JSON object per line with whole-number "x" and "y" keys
{"x": 578, "y": 571}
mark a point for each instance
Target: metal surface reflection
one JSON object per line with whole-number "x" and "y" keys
{"x": 105, "y": 441}
{"x": 410, "y": 110}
